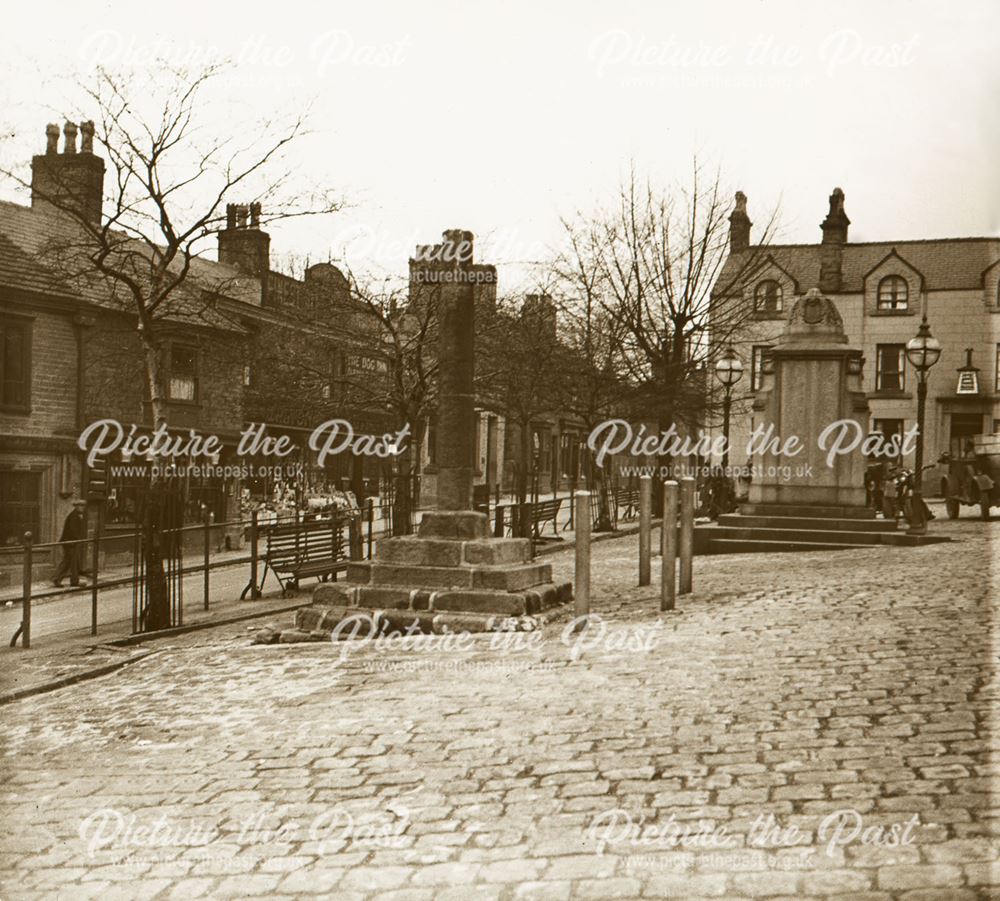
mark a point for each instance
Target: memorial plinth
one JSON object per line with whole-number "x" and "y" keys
{"x": 451, "y": 567}
{"x": 812, "y": 379}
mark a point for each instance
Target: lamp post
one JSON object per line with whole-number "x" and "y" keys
{"x": 923, "y": 351}
{"x": 728, "y": 370}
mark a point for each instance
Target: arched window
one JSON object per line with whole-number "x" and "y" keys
{"x": 893, "y": 293}
{"x": 767, "y": 297}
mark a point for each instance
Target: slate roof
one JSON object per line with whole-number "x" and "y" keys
{"x": 34, "y": 247}
{"x": 947, "y": 264}
{"x": 19, "y": 269}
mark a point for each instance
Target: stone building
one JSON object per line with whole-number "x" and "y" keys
{"x": 70, "y": 355}
{"x": 881, "y": 290}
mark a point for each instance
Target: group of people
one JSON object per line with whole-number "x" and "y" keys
{"x": 889, "y": 489}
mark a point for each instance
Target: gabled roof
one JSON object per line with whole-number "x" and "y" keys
{"x": 947, "y": 264}
{"x": 902, "y": 262}
{"x": 37, "y": 251}
{"x": 769, "y": 261}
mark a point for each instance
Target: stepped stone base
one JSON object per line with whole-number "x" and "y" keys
{"x": 451, "y": 566}
{"x": 792, "y": 527}
{"x": 808, "y": 510}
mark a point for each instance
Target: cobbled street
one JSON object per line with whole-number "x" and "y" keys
{"x": 804, "y": 726}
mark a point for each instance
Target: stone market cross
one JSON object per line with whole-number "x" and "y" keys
{"x": 452, "y": 573}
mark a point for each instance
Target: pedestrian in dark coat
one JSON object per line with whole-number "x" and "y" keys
{"x": 74, "y": 530}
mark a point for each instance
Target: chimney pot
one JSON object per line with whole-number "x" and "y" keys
{"x": 69, "y": 130}
{"x": 230, "y": 215}
{"x": 87, "y": 139}
{"x": 254, "y": 215}
{"x": 241, "y": 216}
{"x": 52, "y": 138}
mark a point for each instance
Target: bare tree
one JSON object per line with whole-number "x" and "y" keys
{"x": 171, "y": 173}
{"x": 521, "y": 370}
{"x": 170, "y": 179}
{"x": 403, "y": 321}
{"x": 645, "y": 270}
{"x": 595, "y": 388}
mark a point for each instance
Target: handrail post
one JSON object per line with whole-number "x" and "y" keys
{"x": 645, "y": 529}
{"x": 26, "y": 593}
{"x": 254, "y": 553}
{"x": 668, "y": 536}
{"x": 581, "y": 588}
{"x": 527, "y": 524}
{"x": 94, "y": 563}
{"x": 206, "y": 542}
{"x": 687, "y": 535}
{"x": 353, "y": 537}
{"x": 370, "y": 502}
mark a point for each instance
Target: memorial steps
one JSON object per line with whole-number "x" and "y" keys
{"x": 782, "y": 528}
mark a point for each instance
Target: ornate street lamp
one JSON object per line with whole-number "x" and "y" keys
{"x": 728, "y": 370}
{"x": 923, "y": 351}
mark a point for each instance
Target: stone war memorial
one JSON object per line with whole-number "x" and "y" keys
{"x": 811, "y": 379}
{"x": 452, "y": 574}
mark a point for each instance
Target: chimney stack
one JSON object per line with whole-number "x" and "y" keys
{"x": 69, "y": 181}
{"x": 244, "y": 246}
{"x": 832, "y": 249}
{"x": 739, "y": 225}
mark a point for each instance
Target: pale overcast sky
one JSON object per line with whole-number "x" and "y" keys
{"x": 499, "y": 117}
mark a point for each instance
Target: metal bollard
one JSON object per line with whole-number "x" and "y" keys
{"x": 687, "y": 535}
{"x": 668, "y": 542}
{"x": 94, "y": 564}
{"x": 645, "y": 529}
{"x": 26, "y": 594}
{"x": 582, "y": 583}
{"x": 206, "y": 544}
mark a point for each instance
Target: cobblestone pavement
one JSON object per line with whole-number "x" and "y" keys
{"x": 803, "y": 726}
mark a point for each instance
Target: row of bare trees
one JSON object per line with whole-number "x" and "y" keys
{"x": 632, "y": 284}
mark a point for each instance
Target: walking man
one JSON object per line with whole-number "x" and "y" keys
{"x": 74, "y": 530}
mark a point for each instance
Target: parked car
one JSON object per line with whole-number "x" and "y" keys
{"x": 973, "y": 478}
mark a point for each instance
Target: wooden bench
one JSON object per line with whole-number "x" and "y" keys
{"x": 297, "y": 551}
{"x": 543, "y": 512}
{"x": 627, "y": 503}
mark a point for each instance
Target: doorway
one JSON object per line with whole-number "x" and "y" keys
{"x": 963, "y": 427}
